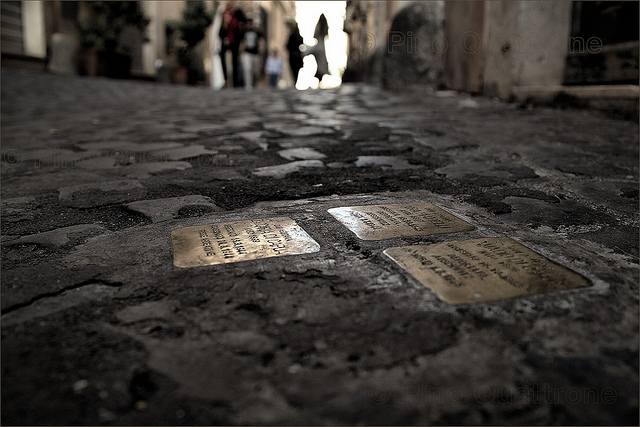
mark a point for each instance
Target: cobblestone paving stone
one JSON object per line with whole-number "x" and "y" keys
{"x": 99, "y": 327}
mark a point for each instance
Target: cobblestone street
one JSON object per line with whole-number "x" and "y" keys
{"x": 100, "y": 327}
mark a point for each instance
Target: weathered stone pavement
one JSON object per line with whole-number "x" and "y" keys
{"x": 99, "y": 327}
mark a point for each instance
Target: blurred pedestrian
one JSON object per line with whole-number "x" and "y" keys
{"x": 251, "y": 47}
{"x": 233, "y": 20}
{"x": 215, "y": 42}
{"x": 295, "y": 55}
{"x": 321, "y": 31}
{"x": 273, "y": 67}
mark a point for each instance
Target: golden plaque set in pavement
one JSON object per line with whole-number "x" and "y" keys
{"x": 482, "y": 270}
{"x": 235, "y": 241}
{"x": 377, "y": 222}
{"x": 458, "y": 272}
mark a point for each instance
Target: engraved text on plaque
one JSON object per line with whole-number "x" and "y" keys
{"x": 376, "y": 222}
{"x": 481, "y": 270}
{"x": 235, "y": 241}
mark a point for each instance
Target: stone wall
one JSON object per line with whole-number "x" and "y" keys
{"x": 415, "y": 47}
{"x": 501, "y": 20}
{"x": 464, "y": 26}
{"x": 478, "y": 47}
{"x": 396, "y": 44}
{"x": 367, "y": 24}
{"x": 525, "y": 44}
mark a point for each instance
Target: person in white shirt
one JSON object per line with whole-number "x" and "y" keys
{"x": 252, "y": 42}
{"x": 273, "y": 67}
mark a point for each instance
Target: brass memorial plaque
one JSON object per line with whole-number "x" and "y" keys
{"x": 377, "y": 222}
{"x": 235, "y": 241}
{"x": 481, "y": 270}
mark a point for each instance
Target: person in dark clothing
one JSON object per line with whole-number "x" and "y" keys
{"x": 321, "y": 31}
{"x": 295, "y": 55}
{"x": 233, "y": 20}
{"x": 225, "y": 43}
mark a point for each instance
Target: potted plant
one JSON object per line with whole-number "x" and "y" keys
{"x": 99, "y": 35}
{"x": 184, "y": 35}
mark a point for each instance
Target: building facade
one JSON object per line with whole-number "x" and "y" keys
{"x": 49, "y": 34}
{"x": 503, "y": 49}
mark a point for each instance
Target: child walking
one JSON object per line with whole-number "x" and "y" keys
{"x": 273, "y": 67}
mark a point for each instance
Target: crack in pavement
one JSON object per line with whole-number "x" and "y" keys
{"x": 92, "y": 281}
